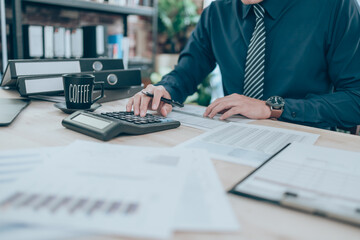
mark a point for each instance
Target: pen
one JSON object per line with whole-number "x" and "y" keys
{"x": 165, "y": 100}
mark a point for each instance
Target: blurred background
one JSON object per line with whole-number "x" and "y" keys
{"x": 146, "y": 34}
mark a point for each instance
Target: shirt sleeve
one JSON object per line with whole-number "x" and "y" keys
{"x": 342, "y": 107}
{"x": 195, "y": 62}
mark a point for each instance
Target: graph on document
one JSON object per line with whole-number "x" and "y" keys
{"x": 55, "y": 204}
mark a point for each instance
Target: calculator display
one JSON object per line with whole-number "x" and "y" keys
{"x": 91, "y": 121}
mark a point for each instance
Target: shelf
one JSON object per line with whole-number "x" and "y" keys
{"x": 99, "y": 7}
{"x": 140, "y": 61}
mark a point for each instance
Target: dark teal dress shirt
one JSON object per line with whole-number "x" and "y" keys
{"x": 312, "y": 57}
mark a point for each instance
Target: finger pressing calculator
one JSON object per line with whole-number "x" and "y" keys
{"x": 106, "y": 126}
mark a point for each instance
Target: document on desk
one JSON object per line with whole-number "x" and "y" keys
{"x": 91, "y": 189}
{"x": 192, "y": 116}
{"x": 246, "y": 144}
{"x": 13, "y": 166}
{"x": 203, "y": 204}
{"x": 19, "y": 231}
{"x": 310, "y": 178}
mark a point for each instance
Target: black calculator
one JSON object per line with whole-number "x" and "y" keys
{"x": 106, "y": 126}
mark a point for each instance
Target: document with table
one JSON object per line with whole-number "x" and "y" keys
{"x": 192, "y": 116}
{"x": 106, "y": 189}
{"x": 245, "y": 143}
{"x": 314, "y": 179}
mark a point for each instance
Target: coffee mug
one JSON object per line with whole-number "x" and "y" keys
{"x": 78, "y": 89}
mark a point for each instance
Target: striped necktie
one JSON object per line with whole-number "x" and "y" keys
{"x": 255, "y": 60}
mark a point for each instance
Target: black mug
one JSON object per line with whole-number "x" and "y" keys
{"x": 78, "y": 89}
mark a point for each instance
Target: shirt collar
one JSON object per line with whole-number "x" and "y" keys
{"x": 273, "y": 7}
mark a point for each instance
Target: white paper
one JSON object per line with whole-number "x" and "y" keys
{"x": 13, "y": 166}
{"x": 204, "y": 205}
{"x": 92, "y": 189}
{"x": 320, "y": 175}
{"x": 28, "y": 232}
{"x": 192, "y": 116}
{"x": 247, "y": 144}
{"x": 198, "y": 122}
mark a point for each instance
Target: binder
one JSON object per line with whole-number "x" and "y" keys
{"x": 77, "y": 45}
{"x": 59, "y": 42}
{"x": 17, "y": 68}
{"x": 67, "y": 44}
{"x": 126, "y": 50}
{"x": 53, "y": 84}
{"x": 48, "y": 41}
{"x": 95, "y": 41}
{"x": 301, "y": 177}
{"x": 33, "y": 41}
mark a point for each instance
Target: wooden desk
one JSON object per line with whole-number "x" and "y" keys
{"x": 39, "y": 125}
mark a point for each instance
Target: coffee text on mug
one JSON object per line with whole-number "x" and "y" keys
{"x": 79, "y": 93}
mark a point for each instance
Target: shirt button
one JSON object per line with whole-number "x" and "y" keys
{"x": 293, "y": 114}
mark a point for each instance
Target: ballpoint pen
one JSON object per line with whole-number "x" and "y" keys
{"x": 165, "y": 100}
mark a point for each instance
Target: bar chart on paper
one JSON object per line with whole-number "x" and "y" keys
{"x": 78, "y": 192}
{"x": 53, "y": 204}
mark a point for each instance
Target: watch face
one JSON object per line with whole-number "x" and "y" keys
{"x": 276, "y": 102}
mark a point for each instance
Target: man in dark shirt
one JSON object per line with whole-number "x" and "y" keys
{"x": 311, "y": 60}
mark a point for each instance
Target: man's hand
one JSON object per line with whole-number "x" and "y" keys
{"x": 140, "y": 103}
{"x": 238, "y": 104}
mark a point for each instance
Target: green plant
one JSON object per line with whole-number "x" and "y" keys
{"x": 176, "y": 19}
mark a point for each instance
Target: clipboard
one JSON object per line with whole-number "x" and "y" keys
{"x": 257, "y": 186}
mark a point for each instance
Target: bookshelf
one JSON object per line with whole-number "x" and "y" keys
{"x": 88, "y": 6}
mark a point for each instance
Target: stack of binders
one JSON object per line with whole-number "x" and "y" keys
{"x": 59, "y": 42}
{"x": 44, "y": 77}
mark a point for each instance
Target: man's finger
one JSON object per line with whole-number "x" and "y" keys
{"x": 164, "y": 109}
{"x": 129, "y": 104}
{"x": 223, "y": 106}
{"x": 136, "y": 105}
{"x": 210, "y": 108}
{"x": 145, "y": 100}
{"x": 158, "y": 93}
{"x": 229, "y": 113}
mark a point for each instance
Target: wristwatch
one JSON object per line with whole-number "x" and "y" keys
{"x": 276, "y": 105}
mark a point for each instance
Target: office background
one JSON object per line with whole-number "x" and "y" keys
{"x": 136, "y": 31}
{"x": 147, "y": 34}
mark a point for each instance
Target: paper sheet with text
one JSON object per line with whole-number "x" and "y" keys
{"x": 245, "y": 143}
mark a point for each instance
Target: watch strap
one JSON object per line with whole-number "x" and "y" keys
{"x": 276, "y": 113}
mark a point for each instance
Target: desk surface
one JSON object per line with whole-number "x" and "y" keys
{"x": 39, "y": 125}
